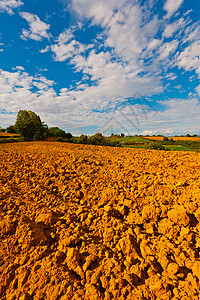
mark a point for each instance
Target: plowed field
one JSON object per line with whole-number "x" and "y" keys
{"x": 92, "y": 222}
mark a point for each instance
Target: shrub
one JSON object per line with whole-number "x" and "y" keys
{"x": 82, "y": 139}
{"x": 97, "y": 139}
{"x": 155, "y": 146}
{"x": 61, "y": 139}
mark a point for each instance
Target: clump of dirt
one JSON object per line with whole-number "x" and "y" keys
{"x": 92, "y": 222}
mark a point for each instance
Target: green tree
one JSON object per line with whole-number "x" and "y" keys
{"x": 57, "y": 132}
{"x": 2, "y": 129}
{"x": 97, "y": 139}
{"x": 29, "y": 126}
{"x": 69, "y": 136}
{"x": 83, "y": 139}
{"x": 11, "y": 129}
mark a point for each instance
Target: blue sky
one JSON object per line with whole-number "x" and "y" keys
{"x": 96, "y": 65}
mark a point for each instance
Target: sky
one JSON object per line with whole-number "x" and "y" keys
{"x": 109, "y": 66}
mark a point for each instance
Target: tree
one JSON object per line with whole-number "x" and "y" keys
{"x": 57, "y": 132}
{"x": 29, "y": 126}
{"x": 2, "y": 129}
{"x": 97, "y": 139}
{"x": 11, "y": 129}
{"x": 83, "y": 139}
{"x": 69, "y": 136}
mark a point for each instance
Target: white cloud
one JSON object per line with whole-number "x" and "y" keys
{"x": 16, "y": 92}
{"x": 65, "y": 36}
{"x": 9, "y": 5}
{"x": 18, "y": 68}
{"x": 179, "y": 116}
{"x": 46, "y": 49}
{"x": 132, "y": 55}
{"x": 64, "y": 51}
{"x": 171, "y": 76}
{"x": 173, "y": 27}
{"x": 99, "y": 11}
{"x": 192, "y": 33}
{"x": 171, "y": 6}
{"x": 167, "y": 49}
{"x": 67, "y": 46}
{"x": 177, "y": 110}
{"x": 155, "y": 43}
{"x": 38, "y": 29}
{"x": 189, "y": 58}
{"x": 198, "y": 90}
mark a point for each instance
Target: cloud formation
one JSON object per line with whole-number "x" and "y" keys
{"x": 66, "y": 47}
{"x": 9, "y": 5}
{"x": 171, "y": 6}
{"x": 131, "y": 49}
{"x": 38, "y": 29}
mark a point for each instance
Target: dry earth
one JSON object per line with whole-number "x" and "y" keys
{"x": 92, "y": 222}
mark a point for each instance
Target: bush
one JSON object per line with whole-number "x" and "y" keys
{"x": 155, "y": 146}
{"x": 96, "y": 139}
{"x": 83, "y": 139}
{"x": 61, "y": 139}
{"x": 57, "y": 132}
{"x": 11, "y": 129}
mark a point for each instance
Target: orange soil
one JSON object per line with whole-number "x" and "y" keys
{"x": 175, "y": 138}
{"x": 92, "y": 222}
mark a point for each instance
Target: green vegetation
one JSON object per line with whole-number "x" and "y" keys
{"x": 59, "y": 133}
{"x": 2, "y": 129}
{"x": 164, "y": 144}
{"x": 11, "y": 129}
{"x": 30, "y": 127}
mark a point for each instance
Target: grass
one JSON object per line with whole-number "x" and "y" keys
{"x": 177, "y": 148}
{"x": 128, "y": 139}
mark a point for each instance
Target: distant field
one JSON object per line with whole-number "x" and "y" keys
{"x": 143, "y": 141}
{"x": 175, "y": 138}
{"x": 128, "y": 139}
{"x": 4, "y": 134}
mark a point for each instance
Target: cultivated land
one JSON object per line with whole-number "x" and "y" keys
{"x": 4, "y": 135}
{"x": 92, "y": 222}
{"x": 175, "y": 138}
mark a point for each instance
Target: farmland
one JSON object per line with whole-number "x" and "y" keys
{"x": 92, "y": 222}
{"x": 7, "y": 135}
{"x": 176, "y": 143}
{"x": 175, "y": 138}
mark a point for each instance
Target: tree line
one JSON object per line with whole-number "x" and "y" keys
{"x": 30, "y": 127}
